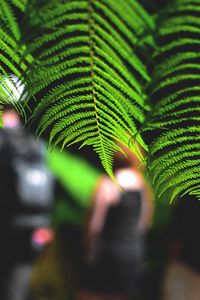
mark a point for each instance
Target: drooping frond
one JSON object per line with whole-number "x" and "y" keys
{"x": 89, "y": 74}
{"x": 174, "y": 123}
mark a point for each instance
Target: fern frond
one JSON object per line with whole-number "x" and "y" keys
{"x": 14, "y": 57}
{"x": 21, "y": 4}
{"x": 174, "y": 123}
{"x": 8, "y": 20}
{"x": 89, "y": 75}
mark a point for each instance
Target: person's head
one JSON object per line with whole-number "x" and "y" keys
{"x": 130, "y": 159}
{"x": 10, "y": 118}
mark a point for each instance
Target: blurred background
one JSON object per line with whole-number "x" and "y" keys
{"x": 69, "y": 232}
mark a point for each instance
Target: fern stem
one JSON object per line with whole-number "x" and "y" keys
{"x": 92, "y": 64}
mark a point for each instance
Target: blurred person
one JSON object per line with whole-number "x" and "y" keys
{"x": 114, "y": 262}
{"x": 27, "y": 194}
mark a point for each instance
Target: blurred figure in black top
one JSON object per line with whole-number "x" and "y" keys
{"x": 115, "y": 259}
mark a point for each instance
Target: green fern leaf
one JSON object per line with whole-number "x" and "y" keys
{"x": 174, "y": 122}
{"x": 89, "y": 74}
{"x": 14, "y": 57}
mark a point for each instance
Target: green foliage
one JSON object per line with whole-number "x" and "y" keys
{"x": 104, "y": 72}
{"x": 88, "y": 74}
{"x": 174, "y": 156}
{"x": 14, "y": 58}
